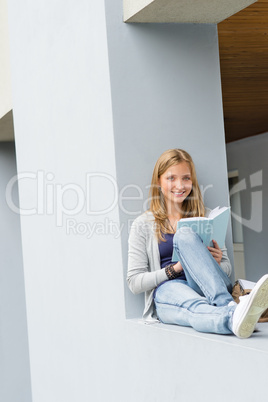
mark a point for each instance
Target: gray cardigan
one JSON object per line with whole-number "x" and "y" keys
{"x": 144, "y": 269}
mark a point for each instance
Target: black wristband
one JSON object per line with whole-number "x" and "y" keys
{"x": 171, "y": 273}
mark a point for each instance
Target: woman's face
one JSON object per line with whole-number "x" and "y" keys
{"x": 176, "y": 183}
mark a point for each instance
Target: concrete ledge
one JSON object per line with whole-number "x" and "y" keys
{"x": 258, "y": 341}
{"x": 184, "y": 11}
{"x": 185, "y": 365}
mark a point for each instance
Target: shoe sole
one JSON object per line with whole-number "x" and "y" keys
{"x": 257, "y": 304}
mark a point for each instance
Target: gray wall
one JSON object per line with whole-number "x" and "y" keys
{"x": 14, "y": 357}
{"x": 249, "y": 157}
{"x": 166, "y": 93}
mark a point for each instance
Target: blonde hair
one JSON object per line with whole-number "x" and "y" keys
{"x": 192, "y": 206}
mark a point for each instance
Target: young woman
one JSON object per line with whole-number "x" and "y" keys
{"x": 195, "y": 291}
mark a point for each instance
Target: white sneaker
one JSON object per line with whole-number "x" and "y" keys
{"x": 250, "y": 308}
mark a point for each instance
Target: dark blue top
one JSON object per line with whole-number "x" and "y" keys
{"x": 166, "y": 251}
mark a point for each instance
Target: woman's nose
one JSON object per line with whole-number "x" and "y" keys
{"x": 179, "y": 184}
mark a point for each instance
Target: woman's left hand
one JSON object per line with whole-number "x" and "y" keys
{"x": 216, "y": 251}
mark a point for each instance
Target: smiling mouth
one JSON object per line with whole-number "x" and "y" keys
{"x": 178, "y": 193}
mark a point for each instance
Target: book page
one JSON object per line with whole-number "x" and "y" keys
{"x": 217, "y": 211}
{"x": 201, "y": 218}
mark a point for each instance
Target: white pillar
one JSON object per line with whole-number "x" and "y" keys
{"x": 5, "y": 85}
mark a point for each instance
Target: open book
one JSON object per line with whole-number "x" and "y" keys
{"x": 212, "y": 227}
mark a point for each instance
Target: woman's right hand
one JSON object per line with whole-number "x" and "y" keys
{"x": 178, "y": 267}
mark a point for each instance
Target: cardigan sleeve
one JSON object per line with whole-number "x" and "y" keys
{"x": 140, "y": 277}
{"x": 225, "y": 263}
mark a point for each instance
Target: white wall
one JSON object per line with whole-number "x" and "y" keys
{"x": 76, "y": 113}
{"x": 5, "y": 84}
{"x": 249, "y": 157}
{"x": 63, "y": 127}
{"x": 14, "y": 358}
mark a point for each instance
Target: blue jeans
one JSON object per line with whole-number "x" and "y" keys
{"x": 202, "y": 300}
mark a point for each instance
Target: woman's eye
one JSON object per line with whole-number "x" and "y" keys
{"x": 170, "y": 178}
{"x": 187, "y": 178}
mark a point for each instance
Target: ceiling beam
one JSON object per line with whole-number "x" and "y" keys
{"x": 184, "y": 11}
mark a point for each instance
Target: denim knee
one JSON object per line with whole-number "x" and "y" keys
{"x": 184, "y": 235}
